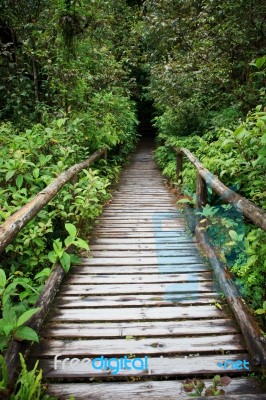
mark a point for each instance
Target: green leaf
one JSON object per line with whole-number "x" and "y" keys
{"x": 60, "y": 122}
{"x": 71, "y": 230}
{"x": 260, "y": 62}
{"x": 9, "y": 314}
{"x": 27, "y": 315}
{"x": 52, "y": 257}
{"x": 65, "y": 261}
{"x": 36, "y": 173}
{"x": 74, "y": 258}
{"x": 7, "y": 329}
{"x": 44, "y": 273}
{"x": 26, "y": 333}
{"x": 216, "y": 380}
{"x": 19, "y": 181}
{"x": 9, "y": 174}
{"x": 233, "y": 235}
{"x": 218, "y": 305}
{"x": 184, "y": 201}
{"x": 58, "y": 248}
{"x": 2, "y": 278}
{"x": 81, "y": 243}
{"x": 69, "y": 240}
{"x": 260, "y": 311}
{"x": 4, "y": 373}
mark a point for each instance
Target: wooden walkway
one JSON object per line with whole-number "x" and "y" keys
{"x": 145, "y": 291}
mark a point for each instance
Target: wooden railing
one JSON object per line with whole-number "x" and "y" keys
{"x": 13, "y": 225}
{"x": 205, "y": 177}
{"x": 10, "y": 228}
{"x": 255, "y": 341}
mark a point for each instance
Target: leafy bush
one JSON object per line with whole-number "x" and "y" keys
{"x": 29, "y": 161}
{"x": 238, "y": 156}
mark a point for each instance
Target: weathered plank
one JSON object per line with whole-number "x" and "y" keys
{"x": 138, "y": 314}
{"x": 144, "y": 240}
{"x": 147, "y": 346}
{"x": 141, "y": 260}
{"x": 134, "y": 288}
{"x": 153, "y": 235}
{"x": 157, "y": 366}
{"x": 151, "y": 247}
{"x": 152, "y": 390}
{"x": 133, "y": 269}
{"x": 144, "y": 253}
{"x": 153, "y": 230}
{"x": 136, "y": 329}
{"x": 74, "y": 301}
{"x": 134, "y": 278}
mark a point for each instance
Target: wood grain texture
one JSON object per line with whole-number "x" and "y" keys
{"x": 158, "y": 366}
{"x": 139, "y": 278}
{"x": 138, "y": 313}
{"x": 147, "y": 346}
{"x": 143, "y": 269}
{"x": 135, "y": 329}
{"x": 134, "y": 288}
{"x": 152, "y": 390}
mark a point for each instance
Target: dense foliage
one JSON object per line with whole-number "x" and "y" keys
{"x": 207, "y": 76}
{"x": 237, "y": 157}
{"x": 65, "y": 85}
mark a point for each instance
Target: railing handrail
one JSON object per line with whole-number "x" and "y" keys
{"x": 17, "y": 221}
{"x": 256, "y": 214}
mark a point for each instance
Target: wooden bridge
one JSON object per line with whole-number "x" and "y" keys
{"x": 144, "y": 290}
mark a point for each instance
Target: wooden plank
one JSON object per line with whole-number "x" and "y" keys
{"x": 142, "y": 197}
{"x": 153, "y": 240}
{"x": 141, "y": 260}
{"x": 138, "y": 278}
{"x": 138, "y": 314}
{"x": 144, "y": 191}
{"x": 144, "y": 253}
{"x": 109, "y": 212}
{"x": 170, "y": 345}
{"x": 136, "y": 300}
{"x": 143, "y": 209}
{"x": 131, "y": 220}
{"x": 153, "y": 390}
{"x": 134, "y": 288}
{"x": 136, "y": 329}
{"x": 160, "y": 234}
{"x": 160, "y": 208}
{"x": 133, "y": 224}
{"x": 142, "y": 247}
{"x": 153, "y": 230}
{"x": 164, "y": 269}
{"x": 157, "y": 366}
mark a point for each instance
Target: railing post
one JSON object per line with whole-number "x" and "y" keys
{"x": 201, "y": 196}
{"x": 179, "y": 165}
